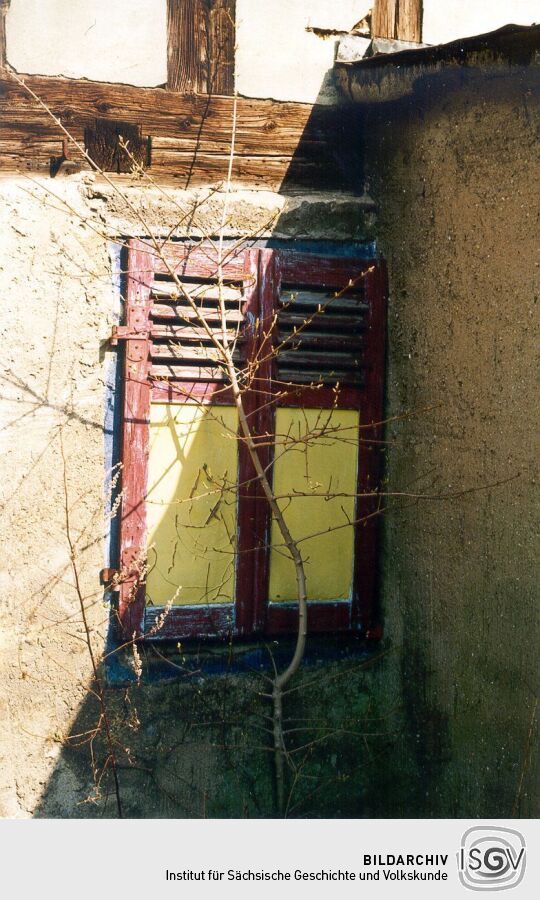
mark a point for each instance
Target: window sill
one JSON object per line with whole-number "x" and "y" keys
{"x": 173, "y": 662}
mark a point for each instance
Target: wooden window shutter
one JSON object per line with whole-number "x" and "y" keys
{"x": 199, "y": 554}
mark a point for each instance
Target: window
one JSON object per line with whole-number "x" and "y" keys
{"x": 199, "y": 553}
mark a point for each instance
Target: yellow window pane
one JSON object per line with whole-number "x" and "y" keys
{"x": 191, "y": 506}
{"x": 326, "y": 463}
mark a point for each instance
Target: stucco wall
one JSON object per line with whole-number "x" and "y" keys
{"x": 279, "y": 55}
{"x": 454, "y": 168}
{"x": 122, "y": 40}
{"x": 53, "y": 320}
{"x": 443, "y": 22}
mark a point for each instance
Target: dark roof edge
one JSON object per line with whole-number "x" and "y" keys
{"x": 515, "y": 42}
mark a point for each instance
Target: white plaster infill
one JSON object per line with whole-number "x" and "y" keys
{"x": 123, "y": 41}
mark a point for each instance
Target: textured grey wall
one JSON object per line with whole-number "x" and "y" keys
{"x": 454, "y": 168}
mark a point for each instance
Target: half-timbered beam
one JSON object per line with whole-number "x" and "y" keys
{"x": 184, "y": 137}
{"x": 4, "y": 6}
{"x": 200, "y": 46}
{"x": 397, "y": 20}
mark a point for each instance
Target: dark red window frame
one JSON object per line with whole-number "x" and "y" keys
{"x": 262, "y": 271}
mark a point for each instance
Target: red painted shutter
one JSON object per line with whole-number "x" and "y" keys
{"x": 167, "y": 357}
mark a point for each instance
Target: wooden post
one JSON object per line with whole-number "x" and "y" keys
{"x": 383, "y": 19}
{"x": 4, "y": 6}
{"x": 200, "y": 46}
{"x": 397, "y": 20}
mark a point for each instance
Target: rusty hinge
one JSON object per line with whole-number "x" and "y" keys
{"x": 109, "y": 578}
{"x": 125, "y": 333}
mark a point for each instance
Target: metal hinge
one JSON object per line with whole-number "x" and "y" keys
{"x": 125, "y": 333}
{"x": 108, "y": 577}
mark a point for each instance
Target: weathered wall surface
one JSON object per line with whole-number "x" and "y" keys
{"x": 454, "y": 169}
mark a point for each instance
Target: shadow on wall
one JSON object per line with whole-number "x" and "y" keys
{"x": 453, "y": 166}
{"x": 198, "y": 747}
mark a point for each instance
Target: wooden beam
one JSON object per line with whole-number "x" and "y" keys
{"x": 383, "y": 19}
{"x": 201, "y": 46}
{"x": 397, "y": 20}
{"x": 409, "y": 20}
{"x": 277, "y": 144}
{"x": 4, "y": 6}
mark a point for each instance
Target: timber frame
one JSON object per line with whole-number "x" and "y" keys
{"x": 180, "y": 132}
{"x": 399, "y": 20}
{"x": 201, "y": 45}
{"x": 4, "y": 4}
{"x": 184, "y": 139}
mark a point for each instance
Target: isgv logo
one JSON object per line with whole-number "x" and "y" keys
{"x": 491, "y": 858}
